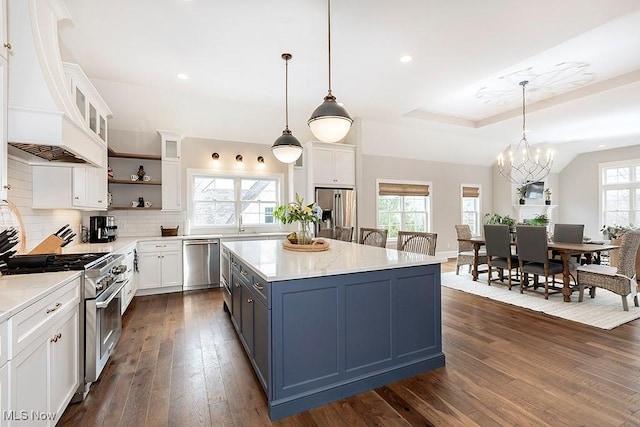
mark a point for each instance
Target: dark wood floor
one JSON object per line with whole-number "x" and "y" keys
{"x": 179, "y": 363}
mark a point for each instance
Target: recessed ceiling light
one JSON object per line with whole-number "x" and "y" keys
{"x": 183, "y": 76}
{"x": 602, "y": 145}
{"x": 406, "y": 58}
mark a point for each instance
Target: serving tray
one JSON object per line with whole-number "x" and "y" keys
{"x": 316, "y": 246}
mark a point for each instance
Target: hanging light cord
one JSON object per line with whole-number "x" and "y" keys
{"x": 329, "y": 39}
{"x": 286, "y": 89}
{"x": 524, "y": 117}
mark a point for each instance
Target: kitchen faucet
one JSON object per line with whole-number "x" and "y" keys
{"x": 240, "y": 227}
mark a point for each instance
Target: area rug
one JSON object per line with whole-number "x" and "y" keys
{"x": 604, "y": 311}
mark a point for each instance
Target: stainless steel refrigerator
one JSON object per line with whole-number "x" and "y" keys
{"x": 338, "y": 210}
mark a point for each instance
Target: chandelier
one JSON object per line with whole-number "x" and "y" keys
{"x": 523, "y": 165}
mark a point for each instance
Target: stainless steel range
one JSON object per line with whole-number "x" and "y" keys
{"x": 100, "y": 318}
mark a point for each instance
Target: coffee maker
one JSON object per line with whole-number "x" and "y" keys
{"x": 102, "y": 229}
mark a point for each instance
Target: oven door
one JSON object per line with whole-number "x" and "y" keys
{"x": 103, "y": 329}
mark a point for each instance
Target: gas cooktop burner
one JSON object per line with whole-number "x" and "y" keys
{"x": 46, "y": 263}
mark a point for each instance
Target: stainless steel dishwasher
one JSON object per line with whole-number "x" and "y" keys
{"x": 201, "y": 263}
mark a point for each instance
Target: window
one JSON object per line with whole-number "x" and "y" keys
{"x": 620, "y": 185}
{"x": 403, "y": 206}
{"x": 471, "y": 208}
{"x": 224, "y": 200}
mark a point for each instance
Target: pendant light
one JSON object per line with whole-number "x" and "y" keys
{"x": 286, "y": 148}
{"x": 524, "y": 165}
{"x": 330, "y": 122}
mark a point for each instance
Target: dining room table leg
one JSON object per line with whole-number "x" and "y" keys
{"x": 566, "y": 276}
{"x": 476, "y": 250}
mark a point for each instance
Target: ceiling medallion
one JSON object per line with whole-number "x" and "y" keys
{"x": 543, "y": 84}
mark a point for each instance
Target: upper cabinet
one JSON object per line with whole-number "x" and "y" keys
{"x": 5, "y": 45}
{"x": 54, "y": 112}
{"x": 4, "y": 185}
{"x": 171, "y": 170}
{"x": 332, "y": 165}
{"x": 61, "y": 187}
{"x": 93, "y": 111}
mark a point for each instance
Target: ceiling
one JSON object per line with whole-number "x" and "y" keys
{"x": 458, "y": 100}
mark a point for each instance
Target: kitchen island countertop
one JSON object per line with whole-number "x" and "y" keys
{"x": 274, "y": 263}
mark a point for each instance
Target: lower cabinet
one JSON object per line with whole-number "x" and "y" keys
{"x": 44, "y": 370}
{"x": 160, "y": 265}
{"x": 130, "y": 277}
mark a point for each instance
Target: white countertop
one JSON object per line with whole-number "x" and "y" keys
{"x": 274, "y": 263}
{"x": 21, "y": 290}
{"x": 122, "y": 243}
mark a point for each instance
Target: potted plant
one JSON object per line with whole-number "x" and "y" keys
{"x": 494, "y": 218}
{"x": 521, "y": 191}
{"x": 614, "y": 234}
{"x": 547, "y": 196}
{"x": 303, "y": 215}
{"x": 540, "y": 220}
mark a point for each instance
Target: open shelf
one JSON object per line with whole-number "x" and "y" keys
{"x": 129, "y": 208}
{"x": 128, "y": 181}
{"x": 134, "y": 156}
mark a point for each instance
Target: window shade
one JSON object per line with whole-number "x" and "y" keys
{"x": 470, "y": 192}
{"x": 387, "y": 189}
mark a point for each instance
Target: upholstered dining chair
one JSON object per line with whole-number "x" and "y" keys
{"x": 374, "y": 236}
{"x": 533, "y": 257}
{"x": 343, "y": 233}
{"x": 497, "y": 239}
{"x": 416, "y": 241}
{"x": 466, "y": 255}
{"x": 620, "y": 280}
{"x": 568, "y": 233}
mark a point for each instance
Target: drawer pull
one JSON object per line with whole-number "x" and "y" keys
{"x": 235, "y": 264}
{"x": 244, "y": 273}
{"x": 51, "y": 310}
{"x": 249, "y": 300}
{"x": 258, "y": 286}
{"x": 56, "y": 337}
{"x": 237, "y": 285}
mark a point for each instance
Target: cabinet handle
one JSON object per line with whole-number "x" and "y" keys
{"x": 237, "y": 286}
{"x": 59, "y": 335}
{"x": 244, "y": 273}
{"x": 77, "y": 198}
{"x": 8, "y": 186}
{"x": 99, "y": 201}
{"x": 54, "y": 339}
{"x": 51, "y": 310}
{"x": 249, "y": 300}
{"x": 7, "y": 45}
{"x": 258, "y": 286}
{"x": 235, "y": 264}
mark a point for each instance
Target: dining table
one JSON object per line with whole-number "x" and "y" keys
{"x": 566, "y": 250}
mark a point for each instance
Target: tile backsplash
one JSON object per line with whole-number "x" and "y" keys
{"x": 142, "y": 223}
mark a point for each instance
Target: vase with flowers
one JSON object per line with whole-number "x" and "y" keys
{"x": 304, "y": 215}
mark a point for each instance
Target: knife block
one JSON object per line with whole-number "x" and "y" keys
{"x": 50, "y": 245}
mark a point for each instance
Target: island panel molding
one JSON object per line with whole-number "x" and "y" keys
{"x": 319, "y": 327}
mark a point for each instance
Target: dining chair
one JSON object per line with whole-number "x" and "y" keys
{"x": 497, "y": 239}
{"x": 568, "y": 233}
{"x": 343, "y": 233}
{"x": 466, "y": 254}
{"x": 374, "y": 236}
{"x": 533, "y": 257}
{"x": 620, "y": 280}
{"x": 417, "y": 241}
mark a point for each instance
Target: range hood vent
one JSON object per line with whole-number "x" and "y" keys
{"x": 51, "y": 153}
{"x": 43, "y": 119}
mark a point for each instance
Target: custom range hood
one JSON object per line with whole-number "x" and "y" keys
{"x": 44, "y": 116}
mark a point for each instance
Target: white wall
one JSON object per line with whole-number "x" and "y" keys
{"x": 446, "y": 180}
{"x": 579, "y": 188}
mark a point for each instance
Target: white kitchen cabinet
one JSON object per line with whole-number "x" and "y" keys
{"x": 62, "y": 187}
{"x": 4, "y": 183}
{"x": 171, "y": 170}
{"x": 171, "y": 195}
{"x": 4, "y": 371}
{"x": 160, "y": 266}
{"x": 331, "y": 164}
{"x": 131, "y": 278}
{"x": 44, "y": 356}
{"x": 5, "y": 45}
{"x": 94, "y": 112}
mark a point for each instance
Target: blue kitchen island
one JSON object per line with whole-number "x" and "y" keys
{"x": 322, "y": 326}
